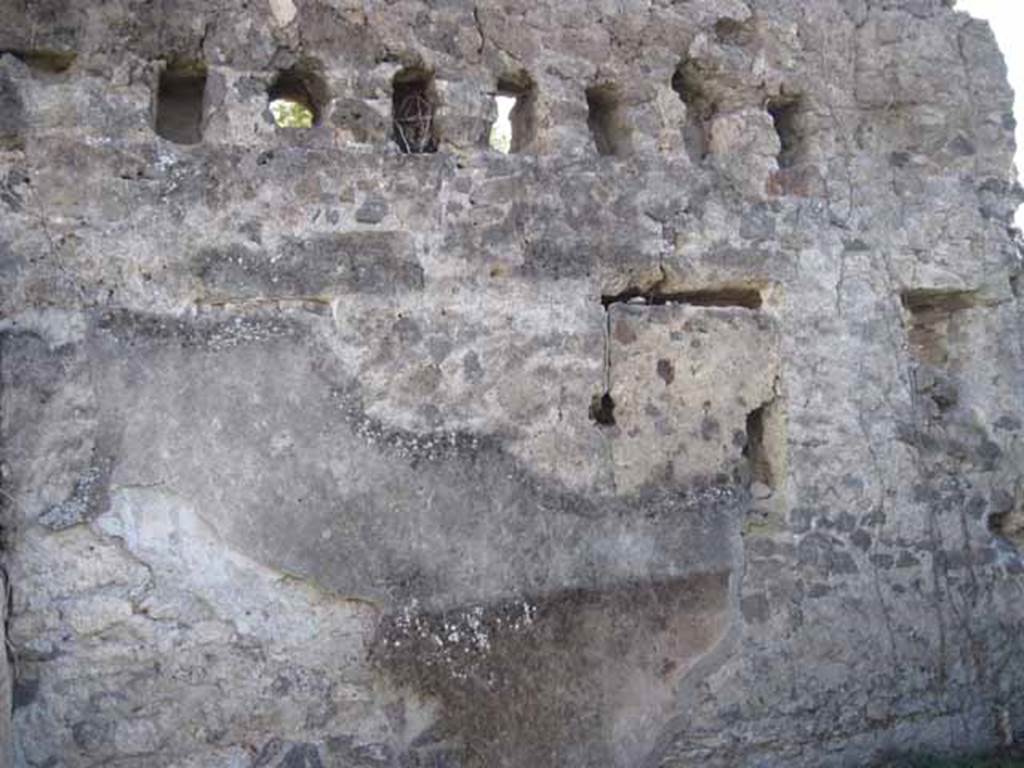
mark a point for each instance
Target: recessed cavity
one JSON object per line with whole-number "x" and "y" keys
{"x": 500, "y": 137}
{"x": 732, "y": 32}
{"x": 296, "y": 98}
{"x": 13, "y": 124}
{"x": 688, "y": 82}
{"x": 785, "y": 113}
{"x": 514, "y": 127}
{"x": 606, "y": 120}
{"x": 755, "y": 451}
{"x": 179, "y": 103}
{"x": 931, "y": 320}
{"x": 413, "y": 107}
{"x": 291, "y": 113}
{"x": 728, "y": 296}
{"x": 44, "y": 61}
{"x": 764, "y": 465}
{"x": 922, "y": 300}
{"x": 1008, "y": 523}
{"x": 602, "y": 410}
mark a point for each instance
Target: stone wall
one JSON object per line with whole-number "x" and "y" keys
{"x": 691, "y": 432}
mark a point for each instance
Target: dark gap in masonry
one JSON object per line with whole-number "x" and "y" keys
{"x": 607, "y": 123}
{"x": 688, "y": 82}
{"x": 44, "y": 61}
{"x": 413, "y": 104}
{"x": 785, "y": 113}
{"x": 602, "y": 410}
{"x": 755, "y": 452}
{"x": 179, "y": 103}
{"x": 931, "y": 318}
{"x": 921, "y": 300}
{"x": 747, "y": 298}
{"x": 733, "y": 32}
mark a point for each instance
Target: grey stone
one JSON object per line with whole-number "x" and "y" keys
{"x": 12, "y": 114}
{"x": 315, "y": 453}
{"x": 357, "y": 262}
{"x": 87, "y": 499}
{"x": 372, "y": 211}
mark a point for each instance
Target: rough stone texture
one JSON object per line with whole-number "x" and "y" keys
{"x": 696, "y": 441}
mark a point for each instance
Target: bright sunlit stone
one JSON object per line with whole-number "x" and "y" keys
{"x": 1007, "y": 20}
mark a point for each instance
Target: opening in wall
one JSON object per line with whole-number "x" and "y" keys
{"x": 756, "y": 451}
{"x": 602, "y": 410}
{"x": 785, "y": 112}
{"x": 700, "y": 109}
{"x": 744, "y": 296}
{"x": 296, "y": 98}
{"x": 179, "y": 103}
{"x": 515, "y": 126}
{"x": 1007, "y": 523}
{"x": 500, "y": 137}
{"x": 765, "y": 458}
{"x": 932, "y": 320}
{"x": 47, "y": 62}
{"x": 413, "y": 104}
{"x": 607, "y": 123}
{"x": 730, "y": 31}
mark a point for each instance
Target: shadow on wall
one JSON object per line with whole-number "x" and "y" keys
{"x": 575, "y": 678}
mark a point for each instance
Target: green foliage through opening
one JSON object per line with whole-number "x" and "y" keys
{"x": 291, "y": 114}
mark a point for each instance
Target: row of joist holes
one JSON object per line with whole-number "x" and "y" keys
{"x": 296, "y": 100}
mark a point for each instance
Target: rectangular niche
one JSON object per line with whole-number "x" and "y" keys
{"x": 606, "y": 119}
{"x": 765, "y": 453}
{"x": 785, "y": 112}
{"x": 413, "y": 111}
{"x": 932, "y": 321}
{"x": 179, "y": 103}
{"x": 688, "y": 82}
{"x": 516, "y": 125}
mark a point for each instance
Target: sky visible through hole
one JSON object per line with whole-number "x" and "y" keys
{"x": 1007, "y": 20}
{"x": 501, "y": 129}
{"x": 1005, "y": 16}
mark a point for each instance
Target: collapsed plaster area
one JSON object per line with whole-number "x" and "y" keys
{"x": 686, "y": 431}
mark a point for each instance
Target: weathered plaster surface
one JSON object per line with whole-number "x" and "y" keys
{"x": 705, "y": 451}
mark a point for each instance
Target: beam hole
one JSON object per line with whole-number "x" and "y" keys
{"x": 932, "y": 316}
{"x": 605, "y": 117}
{"x": 688, "y": 82}
{"x": 785, "y": 113}
{"x": 179, "y": 103}
{"x": 602, "y": 410}
{"x": 297, "y": 97}
{"x": 413, "y": 107}
{"x": 726, "y": 296}
{"x": 515, "y": 126}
